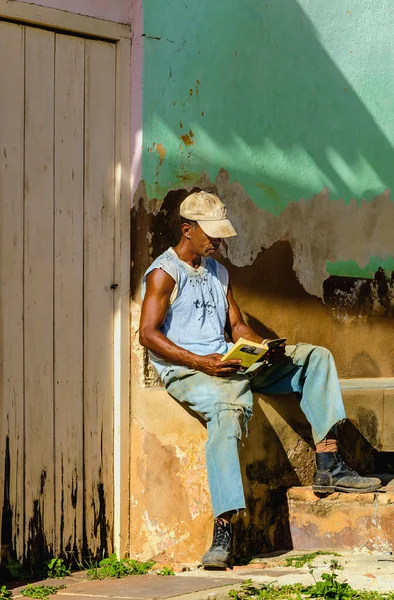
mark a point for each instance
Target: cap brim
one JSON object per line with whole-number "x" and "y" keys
{"x": 218, "y": 229}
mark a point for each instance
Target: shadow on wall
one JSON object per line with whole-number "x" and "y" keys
{"x": 275, "y": 303}
{"x": 284, "y": 96}
{"x": 268, "y": 473}
{"x": 362, "y": 296}
{"x": 277, "y": 455}
{"x": 249, "y": 87}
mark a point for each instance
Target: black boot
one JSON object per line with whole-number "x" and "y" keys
{"x": 219, "y": 553}
{"x": 333, "y": 475}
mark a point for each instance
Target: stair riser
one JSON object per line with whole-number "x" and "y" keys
{"x": 347, "y": 521}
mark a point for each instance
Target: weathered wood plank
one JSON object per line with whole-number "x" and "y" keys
{"x": 39, "y": 138}
{"x": 68, "y": 324}
{"x": 122, "y": 303}
{"x": 11, "y": 286}
{"x": 98, "y": 296}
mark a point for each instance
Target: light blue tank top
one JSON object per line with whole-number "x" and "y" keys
{"x": 196, "y": 317}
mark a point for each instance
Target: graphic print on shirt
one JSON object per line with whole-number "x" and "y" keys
{"x": 206, "y": 307}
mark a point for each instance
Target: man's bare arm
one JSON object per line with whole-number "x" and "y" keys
{"x": 159, "y": 286}
{"x": 236, "y": 326}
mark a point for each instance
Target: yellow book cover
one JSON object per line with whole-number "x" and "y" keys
{"x": 247, "y": 351}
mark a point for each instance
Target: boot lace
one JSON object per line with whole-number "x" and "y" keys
{"x": 345, "y": 467}
{"x": 222, "y": 534}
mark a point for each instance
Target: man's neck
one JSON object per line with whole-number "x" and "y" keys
{"x": 188, "y": 254}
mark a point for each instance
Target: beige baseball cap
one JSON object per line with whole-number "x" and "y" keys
{"x": 209, "y": 212}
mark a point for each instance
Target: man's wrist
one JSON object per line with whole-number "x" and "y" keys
{"x": 193, "y": 360}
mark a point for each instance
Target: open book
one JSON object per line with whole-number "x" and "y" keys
{"x": 250, "y": 352}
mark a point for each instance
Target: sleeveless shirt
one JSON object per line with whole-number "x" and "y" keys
{"x": 196, "y": 317}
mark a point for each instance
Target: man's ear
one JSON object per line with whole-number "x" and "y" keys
{"x": 186, "y": 228}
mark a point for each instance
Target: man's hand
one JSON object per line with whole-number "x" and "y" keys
{"x": 275, "y": 355}
{"x": 212, "y": 364}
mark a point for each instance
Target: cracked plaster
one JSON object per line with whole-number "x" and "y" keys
{"x": 318, "y": 229}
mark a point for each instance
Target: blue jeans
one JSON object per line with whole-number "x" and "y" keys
{"x": 226, "y": 404}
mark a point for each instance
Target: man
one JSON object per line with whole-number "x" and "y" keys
{"x": 188, "y": 309}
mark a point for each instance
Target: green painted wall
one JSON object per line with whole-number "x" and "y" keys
{"x": 289, "y": 97}
{"x": 346, "y": 268}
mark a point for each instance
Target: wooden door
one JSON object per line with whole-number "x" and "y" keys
{"x": 57, "y": 265}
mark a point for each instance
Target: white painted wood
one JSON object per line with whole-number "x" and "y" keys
{"x": 99, "y": 298}
{"x": 63, "y": 20}
{"x": 39, "y": 417}
{"x": 11, "y": 283}
{"x": 64, "y": 239}
{"x": 68, "y": 286}
{"x": 122, "y": 304}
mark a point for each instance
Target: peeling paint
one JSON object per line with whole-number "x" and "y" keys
{"x": 187, "y": 138}
{"x": 161, "y": 151}
{"x": 356, "y": 522}
{"x": 273, "y": 287}
{"x": 170, "y": 492}
{"x": 357, "y": 299}
{"x": 319, "y": 229}
{"x": 350, "y": 268}
{"x": 160, "y": 536}
{"x": 291, "y": 248}
{"x": 192, "y": 464}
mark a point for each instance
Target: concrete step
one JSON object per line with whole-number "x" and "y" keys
{"x": 342, "y": 521}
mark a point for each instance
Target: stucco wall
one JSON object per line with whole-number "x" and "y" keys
{"x": 282, "y": 108}
{"x": 290, "y": 98}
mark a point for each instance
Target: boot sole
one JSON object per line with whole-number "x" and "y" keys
{"x": 337, "y": 488}
{"x": 215, "y": 565}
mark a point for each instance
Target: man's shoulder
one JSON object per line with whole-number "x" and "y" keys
{"x": 167, "y": 262}
{"x": 167, "y": 257}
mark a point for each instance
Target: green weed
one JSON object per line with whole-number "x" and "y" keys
{"x": 4, "y": 593}
{"x": 56, "y": 568}
{"x": 303, "y": 559}
{"x": 328, "y": 588}
{"x": 112, "y": 567}
{"x": 140, "y": 568}
{"x": 41, "y": 592}
{"x": 266, "y": 591}
{"x": 335, "y": 565}
{"x": 92, "y": 569}
{"x": 16, "y": 570}
{"x": 166, "y": 571}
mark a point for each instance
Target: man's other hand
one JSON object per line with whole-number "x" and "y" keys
{"x": 212, "y": 364}
{"x": 276, "y": 355}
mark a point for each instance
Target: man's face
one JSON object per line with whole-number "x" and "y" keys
{"x": 203, "y": 244}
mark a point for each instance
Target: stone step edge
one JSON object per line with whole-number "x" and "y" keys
{"x": 367, "y": 383}
{"x": 385, "y": 496}
{"x": 361, "y": 383}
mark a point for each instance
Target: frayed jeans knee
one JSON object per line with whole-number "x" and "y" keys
{"x": 225, "y": 403}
